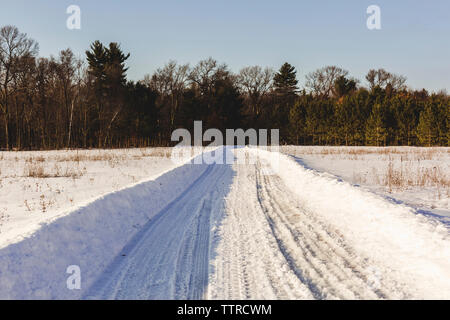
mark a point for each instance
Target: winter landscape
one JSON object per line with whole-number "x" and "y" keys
{"x": 224, "y": 151}
{"x": 140, "y": 226}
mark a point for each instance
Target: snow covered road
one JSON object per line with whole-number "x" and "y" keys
{"x": 294, "y": 233}
{"x": 265, "y": 229}
{"x": 169, "y": 259}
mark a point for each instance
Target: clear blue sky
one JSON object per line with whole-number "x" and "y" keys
{"x": 414, "y": 40}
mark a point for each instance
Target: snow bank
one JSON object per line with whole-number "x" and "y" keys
{"x": 411, "y": 247}
{"x": 415, "y": 176}
{"x": 68, "y": 180}
{"x": 90, "y": 237}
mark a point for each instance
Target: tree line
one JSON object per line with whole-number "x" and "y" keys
{"x": 68, "y": 102}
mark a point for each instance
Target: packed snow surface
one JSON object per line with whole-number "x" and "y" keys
{"x": 265, "y": 226}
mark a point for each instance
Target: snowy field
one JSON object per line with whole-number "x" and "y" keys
{"x": 419, "y": 177}
{"x": 315, "y": 223}
{"x": 38, "y": 187}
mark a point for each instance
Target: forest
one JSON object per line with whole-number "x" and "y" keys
{"x": 64, "y": 102}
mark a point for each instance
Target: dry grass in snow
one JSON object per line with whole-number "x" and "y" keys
{"x": 37, "y": 187}
{"x": 418, "y": 176}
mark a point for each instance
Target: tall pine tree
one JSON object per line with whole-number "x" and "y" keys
{"x": 285, "y": 85}
{"x": 285, "y": 81}
{"x": 376, "y": 131}
{"x": 427, "y": 129}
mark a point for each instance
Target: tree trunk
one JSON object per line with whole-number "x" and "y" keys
{"x": 6, "y": 131}
{"x": 70, "y": 125}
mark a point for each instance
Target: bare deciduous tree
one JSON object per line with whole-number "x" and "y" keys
{"x": 382, "y": 79}
{"x": 206, "y": 72}
{"x": 170, "y": 81}
{"x": 321, "y": 82}
{"x": 256, "y": 83}
{"x": 13, "y": 47}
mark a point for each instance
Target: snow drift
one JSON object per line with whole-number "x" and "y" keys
{"x": 407, "y": 246}
{"x": 90, "y": 237}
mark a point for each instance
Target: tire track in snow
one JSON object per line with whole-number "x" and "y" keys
{"x": 274, "y": 248}
{"x": 269, "y": 245}
{"x": 249, "y": 264}
{"x": 169, "y": 258}
{"x": 318, "y": 256}
{"x": 355, "y": 238}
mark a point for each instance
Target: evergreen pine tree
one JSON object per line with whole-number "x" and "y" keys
{"x": 97, "y": 59}
{"x": 285, "y": 85}
{"x": 376, "y": 132}
{"x": 116, "y": 72}
{"x": 285, "y": 81}
{"x": 297, "y": 121}
{"x": 426, "y": 129}
{"x": 344, "y": 86}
